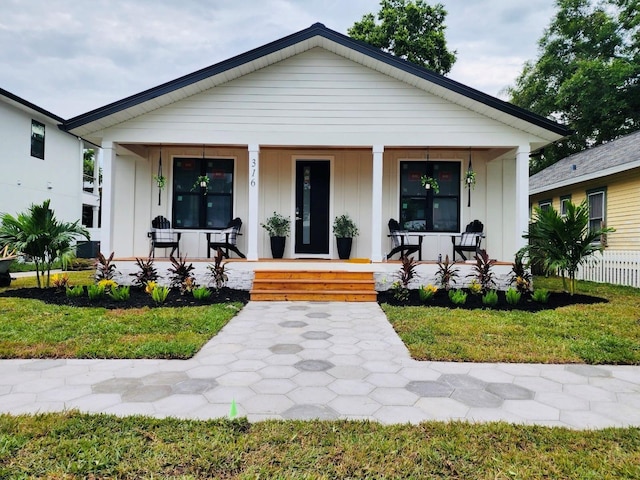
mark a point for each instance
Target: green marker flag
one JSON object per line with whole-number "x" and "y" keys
{"x": 233, "y": 411}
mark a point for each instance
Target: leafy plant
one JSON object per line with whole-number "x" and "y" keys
{"x": 474, "y": 287}
{"x": 407, "y": 271}
{"x": 520, "y": 273}
{"x": 121, "y": 293}
{"x": 490, "y": 298}
{"x": 563, "y": 243}
{"x": 146, "y": 272}
{"x": 277, "y": 225}
{"x": 148, "y": 288}
{"x": 344, "y": 227}
{"x": 107, "y": 285}
{"x": 217, "y": 271}
{"x": 540, "y": 295}
{"x": 470, "y": 179}
{"x": 446, "y": 274}
{"x": 39, "y": 234}
{"x": 161, "y": 181}
{"x": 180, "y": 274}
{"x": 430, "y": 183}
{"x": 400, "y": 292}
{"x": 426, "y": 292}
{"x": 60, "y": 281}
{"x": 201, "y": 182}
{"x": 201, "y": 293}
{"x": 105, "y": 269}
{"x": 74, "y": 292}
{"x": 513, "y": 296}
{"x": 160, "y": 293}
{"x": 483, "y": 271}
{"x": 458, "y": 297}
{"x": 95, "y": 292}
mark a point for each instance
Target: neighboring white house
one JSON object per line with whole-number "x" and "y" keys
{"x": 39, "y": 161}
{"x": 312, "y": 126}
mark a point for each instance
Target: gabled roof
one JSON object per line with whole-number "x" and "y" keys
{"x": 606, "y": 159}
{"x": 314, "y": 36}
{"x": 24, "y": 105}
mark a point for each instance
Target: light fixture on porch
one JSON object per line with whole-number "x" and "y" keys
{"x": 429, "y": 182}
{"x": 470, "y": 178}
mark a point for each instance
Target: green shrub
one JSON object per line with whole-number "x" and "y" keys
{"x": 427, "y": 292}
{"x": 120, "y": 294}
{"x": 541, "y": 295}
{"x": 74, "y": 292}
{"x": 475, "y": 287}
{"x": 490, "y": 298}
{"x": 95, "y": 291}
{"x": 160, "y": 294}
{"x": 513, "y": 296}
{"x": 458, "y": 297}
{"x": 201, "y": 293}
{"x": 400, "y": 292}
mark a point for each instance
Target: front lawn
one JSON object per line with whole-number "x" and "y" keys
{"x": 604, "y": 333}
{"x": 73, "y": 445}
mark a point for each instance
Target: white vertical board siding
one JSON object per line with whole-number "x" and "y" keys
{"x": 316, "y": 98}
{"x": 62, "y": 166}
{"x": 124, "y": 207}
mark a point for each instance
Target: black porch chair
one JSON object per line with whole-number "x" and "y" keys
{"x": 469, "y": 240}
{"x": 162, "y": 236}
{"x": 401, "y": 241}
{"x": 225, "y": 239}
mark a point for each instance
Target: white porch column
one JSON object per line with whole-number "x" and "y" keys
{"x": 522, "y": 194}
{"x": 376, "y": 205}
{"x": 108, "y": 157}
{"x": 254, "y": 190}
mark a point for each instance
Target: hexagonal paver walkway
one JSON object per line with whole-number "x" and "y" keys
{"x": 304, "y": 360}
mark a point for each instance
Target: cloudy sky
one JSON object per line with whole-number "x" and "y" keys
{"x": 71, "y": 56}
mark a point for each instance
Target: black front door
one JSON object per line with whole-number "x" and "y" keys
{"x": 312, "y": 206}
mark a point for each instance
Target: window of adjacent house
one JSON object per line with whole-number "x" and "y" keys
{"x": 423, "y": 210}
{"x": 596, "y": 209}
{"x": 564, "y": 201}
{"x": 37, "y": 139}
{"x": 544, "y": 204}
{"x": 202, "y": 207}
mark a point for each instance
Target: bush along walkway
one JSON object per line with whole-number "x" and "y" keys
{"x": 302, "y": 360}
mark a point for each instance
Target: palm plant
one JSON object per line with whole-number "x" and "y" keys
{"x": 39, "y": 234}
{"x": 562, "y": 244}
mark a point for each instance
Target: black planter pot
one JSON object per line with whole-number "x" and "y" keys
{"x": 344, "y": 247}
{"x": 277, "y": 246}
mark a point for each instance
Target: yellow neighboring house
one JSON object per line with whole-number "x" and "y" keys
{"x": 608, "y": 176}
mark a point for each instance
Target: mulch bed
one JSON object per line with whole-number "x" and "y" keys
{"x": 138, "y": 298}
{"x": 441, "y": 299}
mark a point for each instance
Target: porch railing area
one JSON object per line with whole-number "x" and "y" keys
{"x": 621, "y": 267}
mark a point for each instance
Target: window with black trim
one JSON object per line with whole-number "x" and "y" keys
{"x": 200, "y": 203}
{"x": 544, "y": 204}
{"x": 424, "y": 210}
{"x": 564, "y": 200}
{"x": 37, "y": 139}
{"x": 596, "y": 199}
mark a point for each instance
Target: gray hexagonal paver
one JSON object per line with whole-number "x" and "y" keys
{"x": 316, "y": 335}
{"x": 310, "y": 412}
{"x": 317, "y": 315}
{"x": 116, "y": 385}
{"x": 588, "y": 371}
{"x": 476, "y": 398}
{"x": 195, "y": 385}
{"x": 297, "y": 307}
{"x": 463, "y": 381}
{"x": 313, "y": 365}
{"x": 284, "y": 348}
{"x": 164, "y": 378}
{"x": 509, "y": 391}
{"x": 293, "y": 324}
{"x": 147, "y": 393}
{"x": 429, "y": 388}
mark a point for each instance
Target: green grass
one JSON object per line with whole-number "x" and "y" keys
{"x": 33, "y": 329}
{"x": 606, "y": 333}
{"x": 73, "y": 445}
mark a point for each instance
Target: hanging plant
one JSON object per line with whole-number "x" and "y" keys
{"x": 470, "y": 179}
{"x": 201, "y": 182}
{"x": 161, "y": 181}
{"x": 430, "y": 183}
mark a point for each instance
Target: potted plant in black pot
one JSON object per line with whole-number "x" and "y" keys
{"x": 344, "y": 230}
{"x": 277, "y": 226}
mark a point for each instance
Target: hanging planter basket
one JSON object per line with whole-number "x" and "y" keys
{"x": 430, "y": 183}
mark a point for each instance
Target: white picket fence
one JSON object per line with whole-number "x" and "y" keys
{"x": 616, "y": 267}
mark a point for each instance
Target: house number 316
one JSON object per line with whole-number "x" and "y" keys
{"x": 253, "y": 172}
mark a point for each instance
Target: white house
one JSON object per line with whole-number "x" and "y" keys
{"x": 40, "y": 161}
{"x": 312, "y": 126}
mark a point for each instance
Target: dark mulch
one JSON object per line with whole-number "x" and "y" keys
{"x": 138, "y": 298}
{"x": 441, "y": 299}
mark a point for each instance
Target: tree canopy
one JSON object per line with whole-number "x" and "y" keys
{"x": 410, "y": 29}
{"x": 586, "y": 75}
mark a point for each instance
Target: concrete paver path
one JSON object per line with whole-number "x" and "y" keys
{"x": 303, "y": 360}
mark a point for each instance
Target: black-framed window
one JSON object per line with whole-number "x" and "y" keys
{"x": 203, "y": 207}
{"x": 564, "y": 200}
{"x": 597, "y": 208}
{"x": 37, "y": 139}
{"x": 423, "y": 210}
{"x": 545, "y": 204}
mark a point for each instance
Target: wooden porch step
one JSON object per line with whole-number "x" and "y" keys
{"x": 313, "y": 285}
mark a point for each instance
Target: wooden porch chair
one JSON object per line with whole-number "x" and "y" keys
{"x": 225, "y": 239}
{"x": 469, "y": 240}
{"x": 401, "y": 241}
{"x": 162, "y": 236}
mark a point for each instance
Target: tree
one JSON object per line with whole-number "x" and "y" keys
{"x": 563, "y": 243}
{"x": 39, "y": 234}
{"x": 410, "y": 29}
{"x": 585, "y": 77}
